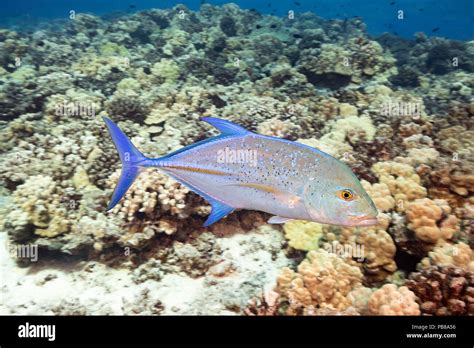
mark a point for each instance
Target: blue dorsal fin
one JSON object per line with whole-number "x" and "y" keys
{"x": 219, "y": 210}
{"x": 225, "y": 127}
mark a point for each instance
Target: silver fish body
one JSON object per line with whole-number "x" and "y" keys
{"x": 243, "y": 170}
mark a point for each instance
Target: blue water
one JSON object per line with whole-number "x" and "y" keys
{"x": 448, "y": 18}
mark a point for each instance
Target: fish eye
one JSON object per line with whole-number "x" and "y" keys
{"x": 346, "y": 195}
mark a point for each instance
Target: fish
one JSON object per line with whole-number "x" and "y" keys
{"x": 434, "y": 30}
{"x": 240, "y": 169}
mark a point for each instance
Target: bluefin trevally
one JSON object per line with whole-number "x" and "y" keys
{"x": 239, "y": 169}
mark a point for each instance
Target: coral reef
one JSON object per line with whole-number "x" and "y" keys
{"x": 396, "y": 111}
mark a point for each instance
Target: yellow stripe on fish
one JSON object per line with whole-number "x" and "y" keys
{"x": 261, "y": 187}
{"x": 198, "y": 170}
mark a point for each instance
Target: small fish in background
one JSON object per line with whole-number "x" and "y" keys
{"x": 392, "y": 3}
{"x": 297, "y": 3}
{"x": 421, "y": 9}
{"x": 434, "y": 30}
{"x": 239, "y": 169}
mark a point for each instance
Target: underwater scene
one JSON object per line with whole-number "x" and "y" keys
{"x": 255, "y": 158}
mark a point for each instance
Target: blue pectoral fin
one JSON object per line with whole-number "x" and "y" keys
{"x": 219, "y": 210}
{"x": 225, "y": 127}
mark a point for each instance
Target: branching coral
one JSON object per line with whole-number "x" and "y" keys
{"x": 155, "y": 203}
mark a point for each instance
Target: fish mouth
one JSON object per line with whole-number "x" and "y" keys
{"x": 364, "y": 220}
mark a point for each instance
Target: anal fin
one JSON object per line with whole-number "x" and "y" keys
{"x": 278, "y": 220}
{"x": 219, "y": 210}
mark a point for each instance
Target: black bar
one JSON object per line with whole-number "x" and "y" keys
{"x": 379, "y": 331}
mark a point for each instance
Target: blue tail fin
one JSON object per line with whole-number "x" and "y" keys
{"x": 130, "y": 157}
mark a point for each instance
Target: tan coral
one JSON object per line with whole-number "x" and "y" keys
{"x": 360, "y": 299}
{"x": 323, "y": 280}
{"x": 276, "y": 128}
{"x": 431, "y": 220}
{"x": 379, "y": 250}
{"x": 152, "y": 192}
{"x": 39, "y": 198}
{"x": 390, "y": 300}
{"x": 446, "y": 254}
{"x": 154, "y": 203}
{"x": 457, "y": 139}
{"x": 402, "y": 181}
{"x": 380, "y": 194}
{"x": 372, "y": 245}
